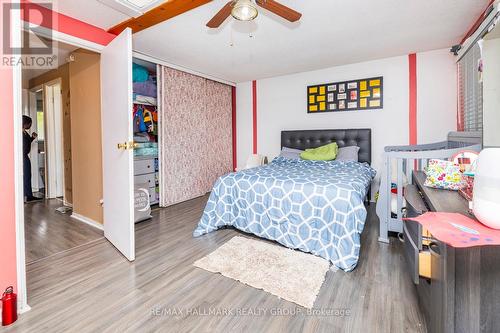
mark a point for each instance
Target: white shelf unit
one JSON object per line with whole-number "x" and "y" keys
{"x": 146, "y": 166}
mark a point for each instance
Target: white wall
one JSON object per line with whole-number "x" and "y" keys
{"x": 491, "y": 93}
{"x": 436, "y": 95}
{"x": 244, "y": 118}
{"x": 281, "y": 104}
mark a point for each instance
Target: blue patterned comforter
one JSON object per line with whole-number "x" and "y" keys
{"x": 312, "y": 206}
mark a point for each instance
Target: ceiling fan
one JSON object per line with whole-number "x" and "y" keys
{"x": 245, "y": 10}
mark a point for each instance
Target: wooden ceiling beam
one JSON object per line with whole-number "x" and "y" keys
{"x": 163, "y": 12}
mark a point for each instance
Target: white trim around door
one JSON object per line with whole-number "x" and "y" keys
{"x": 22, "y": 298}
{"x": 54, "y": 142}
{"x": 68, "y": 39}
{"x": 19, "y": 196}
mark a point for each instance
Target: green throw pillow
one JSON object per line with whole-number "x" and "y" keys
{"x": 324, "y": 153}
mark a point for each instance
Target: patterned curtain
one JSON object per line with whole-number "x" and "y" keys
{"x": 195, "y": 134}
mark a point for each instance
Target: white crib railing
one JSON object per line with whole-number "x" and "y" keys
{"x": 406, "y": 160}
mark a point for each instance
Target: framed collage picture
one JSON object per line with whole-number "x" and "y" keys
{"x": 363, "y": 94}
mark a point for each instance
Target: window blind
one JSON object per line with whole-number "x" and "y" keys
{"x": 470, "y": 91}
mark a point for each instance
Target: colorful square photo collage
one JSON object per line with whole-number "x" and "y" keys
{"x": 365, "y": 94}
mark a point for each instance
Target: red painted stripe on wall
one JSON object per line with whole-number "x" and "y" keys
{"x": 254, "y": 107}
{"x": 412, "y": 59}
{"x": 233, "y": 115}
{"x": 36, "y": 14}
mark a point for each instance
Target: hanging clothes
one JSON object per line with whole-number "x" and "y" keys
{"x": 139, "y": 123}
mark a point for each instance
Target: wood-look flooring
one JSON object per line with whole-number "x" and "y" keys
{"x": 94, "y": 289}
{"x": 48, "y": 232}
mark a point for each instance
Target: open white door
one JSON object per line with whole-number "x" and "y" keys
{"x": 30, "y": 109}
{"x": 117, "y": 145}
{"x": 53, "y": 139}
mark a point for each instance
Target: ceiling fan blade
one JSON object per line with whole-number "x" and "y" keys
{"x": 280, "y": 10}
{"x": 221, "y": 16}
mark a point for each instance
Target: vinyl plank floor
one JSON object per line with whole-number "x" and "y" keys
{"x": 48, "y": 232}
{"x": 94, "y": 289}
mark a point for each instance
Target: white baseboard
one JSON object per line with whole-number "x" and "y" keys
{"x": 67, "y": 204}
{"x": 88, "y": 221}
{"x": 21, "y": 310}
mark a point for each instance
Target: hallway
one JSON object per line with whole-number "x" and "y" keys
{"x": 49, "y": 232}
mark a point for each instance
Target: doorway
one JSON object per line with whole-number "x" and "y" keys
{"x": 38, "y": 177}
{"x": 33, "y": 107}
{"x": 47, "y": 151}
{"x": 113, "y": 66}
{"x": 53, "y": 120}
{"x": 49, "y": 224}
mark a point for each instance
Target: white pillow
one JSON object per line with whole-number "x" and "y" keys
{"x": 291, "y": 153}
{"x": 349, "y": 153}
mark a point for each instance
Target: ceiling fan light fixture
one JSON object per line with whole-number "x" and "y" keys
{"x": 244, "y": 10}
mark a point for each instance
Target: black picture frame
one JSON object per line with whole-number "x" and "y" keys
{"x": 332, "y": 104}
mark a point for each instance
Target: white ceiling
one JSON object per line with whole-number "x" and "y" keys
{"x": 89, "y": 11}
{"x": 330, "y": 33}
{"x": 62, "y": 51}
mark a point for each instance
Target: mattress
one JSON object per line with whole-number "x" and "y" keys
{"x": 312, "y": 206}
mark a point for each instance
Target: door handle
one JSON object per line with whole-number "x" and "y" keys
{"x": 122, "y": 146}
{"x": 128, "y": 145}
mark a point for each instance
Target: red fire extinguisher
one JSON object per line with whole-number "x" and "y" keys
{"x": 9, "y": 306}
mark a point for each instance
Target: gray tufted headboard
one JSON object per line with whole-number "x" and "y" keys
{"x": 343, "y": 137}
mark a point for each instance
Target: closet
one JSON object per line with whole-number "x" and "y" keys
{"x": 182, "y": 133}
{"x": 145, "y": 127}
{"x": 196, "y": 134}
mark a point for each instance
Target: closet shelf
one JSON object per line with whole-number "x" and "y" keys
{"x": 144, "y": 103}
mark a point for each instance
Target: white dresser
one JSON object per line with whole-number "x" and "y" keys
{"x": 146, "y": 172}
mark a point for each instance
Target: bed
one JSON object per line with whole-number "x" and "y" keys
{"x": 312, "y": 206}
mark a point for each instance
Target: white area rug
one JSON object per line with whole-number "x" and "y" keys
{"x": 292, "y": 275}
